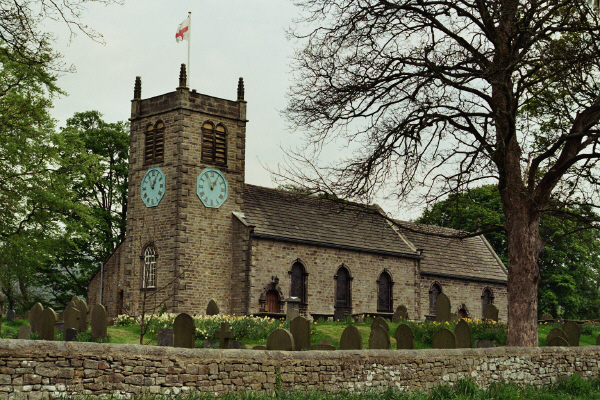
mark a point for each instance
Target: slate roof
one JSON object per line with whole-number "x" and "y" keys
{"x": 284, "y": 215}
{"x": 469, "y": 257}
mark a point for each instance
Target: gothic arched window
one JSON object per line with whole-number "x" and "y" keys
{"x": 149, "y": 268}
{"x": 298, "y": 282}
{"x": 154, "y": 148}
{"x": 486, "y": 298}
{"x": 214, "y": 144}
{"x": 433, "y": 294}
{"x": 385, "y": 294}
{"x": 343, "y": 290}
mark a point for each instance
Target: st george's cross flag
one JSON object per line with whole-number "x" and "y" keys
{"x": 183, "y": 30}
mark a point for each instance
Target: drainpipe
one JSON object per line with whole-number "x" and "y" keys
{"x": 101, "y": 281}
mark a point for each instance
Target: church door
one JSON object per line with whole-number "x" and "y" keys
{"x": 272, "y": 301}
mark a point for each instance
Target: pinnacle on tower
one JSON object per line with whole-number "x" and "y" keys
{"x": 182, "y": 76}
{"x": 240, "y": 91}
{"x": 137, "y": 88}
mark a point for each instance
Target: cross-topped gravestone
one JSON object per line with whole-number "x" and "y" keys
{"x": 351, "y": 339}
{"x": 183, "y": 331}
{"x": 462, "y": 332}
{"x": 379, "y": 338}
{"x": 442, "y": 308}
{"x": 35, "y": 318}
{"x": 224, "y": 335}
{"x": 212, "y": 308}
{"x": 490, "y": 312}
{"x": 378, "y": 321}
{"x": 573, "y": 332}
{"x": 300, "y": 329}
{"x": 47, "y": 331}
{"x": 99, "y": 322}
{"x": 400, "y": 314}
{"x": 280, "y": 339}
{"x": 405, "y": 338}
{"x": 444, "y": 339}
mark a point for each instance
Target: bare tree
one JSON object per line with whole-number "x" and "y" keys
{"x": 435, "y": 95}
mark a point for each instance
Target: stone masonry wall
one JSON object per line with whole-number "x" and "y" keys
{"x": 39, "y": 370}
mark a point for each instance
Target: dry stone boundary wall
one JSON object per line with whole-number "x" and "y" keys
{"x": 40, "y": 370}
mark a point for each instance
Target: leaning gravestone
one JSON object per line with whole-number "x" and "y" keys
{"x": 462, "y": 332}
{"x": 212, "y": 308}
{"x": 490, "y": 312}
{"x": 99, "y": 322}
{"x": 573, "y": 332}
{"x": 280, "y": 339}
{"x": 71, "y": 334}
{"x": 71, "y": 316}
{"x": 300, "y": 329}
{"x": 554, "y": 333}
{"x": 557, "y": 341}
{"x": 11, "y": 315}
{"x": 47, "y": 331}
{"x": 183, "y": 331}
{"x": 405, "y": 338}
{"x": 378, "y": 321}
{"x": 351, "y": 339}
{"x": 83, "y": 315}
{"x": 24, "y": 332}
{"x": 442, "y": 308}
{"x": 291, "y": 314}
{"x": 164, "y": 337}
{"x": 35, "y": 318}
{"x": 400, "y": 314}
{"x": 323, "y": 345}
{"x": 444, "y": 339}
{"x": 339, "y": 314}
{"x": 379, "y": 338}
{"x": 547, "y": 317}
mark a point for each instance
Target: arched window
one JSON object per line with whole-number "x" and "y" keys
{"x": 433, "y": 294}
{"x": 486, "y": 298}
{"x": 385, "y": 295}
{"x": 154, "y": 149}
{"x": 214, "y": 144}
{"x": 343, "y": 290}
{"x": 149, "y": 269}
{"x": 298, "y": 277}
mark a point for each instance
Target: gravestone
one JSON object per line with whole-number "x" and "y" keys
{"x": 164, "y": 337}
{"x": 183, "y": 331}
{"x": 280, "y": 339}
{"x": 83, "y": 315}
{"x": 400, "y": 314}
{"x": 11, "y": 315}
{"x": 554, "y": 333}
{"x": 291, "y": 314}
{"x": 378, "y": 321}
{"x": 259, "y": 347}
{"x": 71, "y": 334}
{"x": 573, "y": 331}
{"x": 351, "y": 339}
{"x": 224, "y": 335}
{"x": 60, "y": 326}
{"x": 490, "y": 312}
{"x": 71, "y": 316}
{"x": 598, "y": 340}
{"x": 462, "y": 332}
{"x": 484, "y": 344}
{"x": 339, "y": 314}
{"x": 300, "y": 329}
{"x": 47, "y": 331}
{"x": 405, "y": 338}
{"x": 547, "y": 317}
{"x": 35, "y": 318}
{"x": 557, "y": 341}
{"x": 444, "y": 339}
{"x": 232, "y": 344}
{"x": 442, "y": 308}
{"x": 323, "y": 345}
{"x": 212, "y": 308}
{"x": 99, "y": 322}
{"x": 24, "y": 332}
{"x": 379, "y": 338}
{"x": 358, "y": 319}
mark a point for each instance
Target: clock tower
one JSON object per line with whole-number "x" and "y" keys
{"x": 186, "y": 179}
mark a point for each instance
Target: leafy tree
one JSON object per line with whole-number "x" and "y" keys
{"x": 441, "y": 94}
{"x": 569, "y": 263}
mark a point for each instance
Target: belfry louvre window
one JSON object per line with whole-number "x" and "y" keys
{"x": 154, "y": 149}
{"x": 149, "y": 270}
{"x": 214, "y": 144}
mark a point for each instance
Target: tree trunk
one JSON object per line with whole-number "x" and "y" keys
{"x": 524, "y": 247}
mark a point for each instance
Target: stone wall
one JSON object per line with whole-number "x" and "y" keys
{"x": 37, "y": 369}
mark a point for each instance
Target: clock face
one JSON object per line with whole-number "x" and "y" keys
{"x": 212, "y": 188}
{"x": 153, "y": 187}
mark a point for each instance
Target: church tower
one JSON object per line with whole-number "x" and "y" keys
{"x": 186, "y": 179}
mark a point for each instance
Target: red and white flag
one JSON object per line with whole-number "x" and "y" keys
{"x": 183, "y": 30}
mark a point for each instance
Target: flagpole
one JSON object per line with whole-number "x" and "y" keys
{"x": 189, "y": 40}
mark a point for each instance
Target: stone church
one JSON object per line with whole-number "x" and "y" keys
{"x": 196, "y": 231}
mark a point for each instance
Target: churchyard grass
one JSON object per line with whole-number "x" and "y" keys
{"x": 10, "y": 329}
